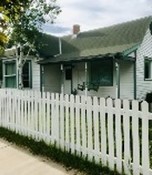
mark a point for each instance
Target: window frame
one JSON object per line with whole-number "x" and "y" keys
{"x": 147, "y": 59}
{"x": 29, "y": 74}
{"x": 9, "y": 75}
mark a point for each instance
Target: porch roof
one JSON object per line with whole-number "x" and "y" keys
{"x": 99, "y": 43}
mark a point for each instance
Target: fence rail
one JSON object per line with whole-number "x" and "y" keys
{"x": 114, "y": 132}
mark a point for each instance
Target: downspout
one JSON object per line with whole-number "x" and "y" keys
{"x": 135, "y": 76}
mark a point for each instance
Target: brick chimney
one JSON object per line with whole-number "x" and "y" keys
{"x": 76, "y": 29}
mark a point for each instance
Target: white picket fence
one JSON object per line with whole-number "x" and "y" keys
{"x": 113, "y": 132}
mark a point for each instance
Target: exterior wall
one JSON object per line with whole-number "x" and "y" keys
{"x": 126, "y": 80}
{"x": 35, "y": 75}
{"x": 145, "y": 50}
{"x": 52, "y": 78}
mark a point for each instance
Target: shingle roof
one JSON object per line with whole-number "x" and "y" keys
{"x": 50, "y": 46}
{"x": 109, "y": 40}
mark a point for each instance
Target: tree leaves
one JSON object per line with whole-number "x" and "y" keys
{"x": 24, "y": 18}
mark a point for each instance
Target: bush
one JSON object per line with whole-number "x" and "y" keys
{"x": 149, "y": 97}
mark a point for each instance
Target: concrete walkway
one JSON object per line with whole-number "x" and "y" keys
{"x": 17, "y": 161}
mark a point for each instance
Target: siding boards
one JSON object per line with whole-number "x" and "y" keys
{"x": 145, "y": 50}
{"x": 52, "y": 78}
{"x": 35, "y": 76}
{"x": 126, "y": 80}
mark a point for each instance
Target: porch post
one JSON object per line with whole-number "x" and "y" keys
{"x": 62, "y": 79}
{"x": 41, "y": 78}
{"x": 117, "y": 66}
{"x": 17, "y": 85}
{"x": 86, "y": 78}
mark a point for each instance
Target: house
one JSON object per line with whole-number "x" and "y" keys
{"x": 31, "y": 70}
{"x": 114, "y": 61}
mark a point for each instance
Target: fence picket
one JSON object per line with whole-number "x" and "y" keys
{"x": 90, "y": 135}
{"x": 126, "y": 130}
{"x": 78, "y": 142}
{"x": 44, "y": 116}
{"x": 57, "y": 139}
{"x": 135, "y": 132}
{"x": 103, "y": 132}
{"x": 72, "y": 126}
{"x": 67, "y": 123}
{"x": 145, "y": 139}
{"x": 118, "y": 136}
{"x": 48, "y": 118}
{"x": 96, "y": 128}
{"x": 62, "y": 122}
{"x": 36, "y": 114}
{"x": 53, "y": 126}
{"x": 83, "y": 126}
{"x": 110, "y": 134}
{"x": 18, "y": 111}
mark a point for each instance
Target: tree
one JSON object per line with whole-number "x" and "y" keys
{"x": 26, "y": 25}
{"x": 9, "y": 13}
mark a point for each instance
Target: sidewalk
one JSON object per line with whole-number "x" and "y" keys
{"x": 16, "y": 161}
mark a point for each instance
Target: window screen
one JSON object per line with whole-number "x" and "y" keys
{"x": 102, "y": 73}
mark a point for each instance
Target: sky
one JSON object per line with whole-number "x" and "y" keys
{"x": 93, "y": 14}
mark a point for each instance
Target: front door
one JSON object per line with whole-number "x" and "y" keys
{"x": 68, "y": 80}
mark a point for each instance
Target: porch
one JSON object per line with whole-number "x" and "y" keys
{"x": 106, "y": 77}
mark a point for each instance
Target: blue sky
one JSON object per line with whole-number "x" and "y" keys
{"x": 92, "y": 14}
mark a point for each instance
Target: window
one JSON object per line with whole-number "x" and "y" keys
{"x": 26, "y": 75}
{"x": 10, "y": 74}
{"x": 148, "y": 69}
{"x": 68, "y": 74}
{"x": 102, "y": 73}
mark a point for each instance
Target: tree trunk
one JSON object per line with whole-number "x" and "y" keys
{"x": 21, "y": 59}
{"x": 20, "y": 65}
{"x": 20, "y": 77}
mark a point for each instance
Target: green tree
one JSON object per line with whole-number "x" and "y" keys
{"x": 9, "y": 13}
{"x": 26, "y": 26}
